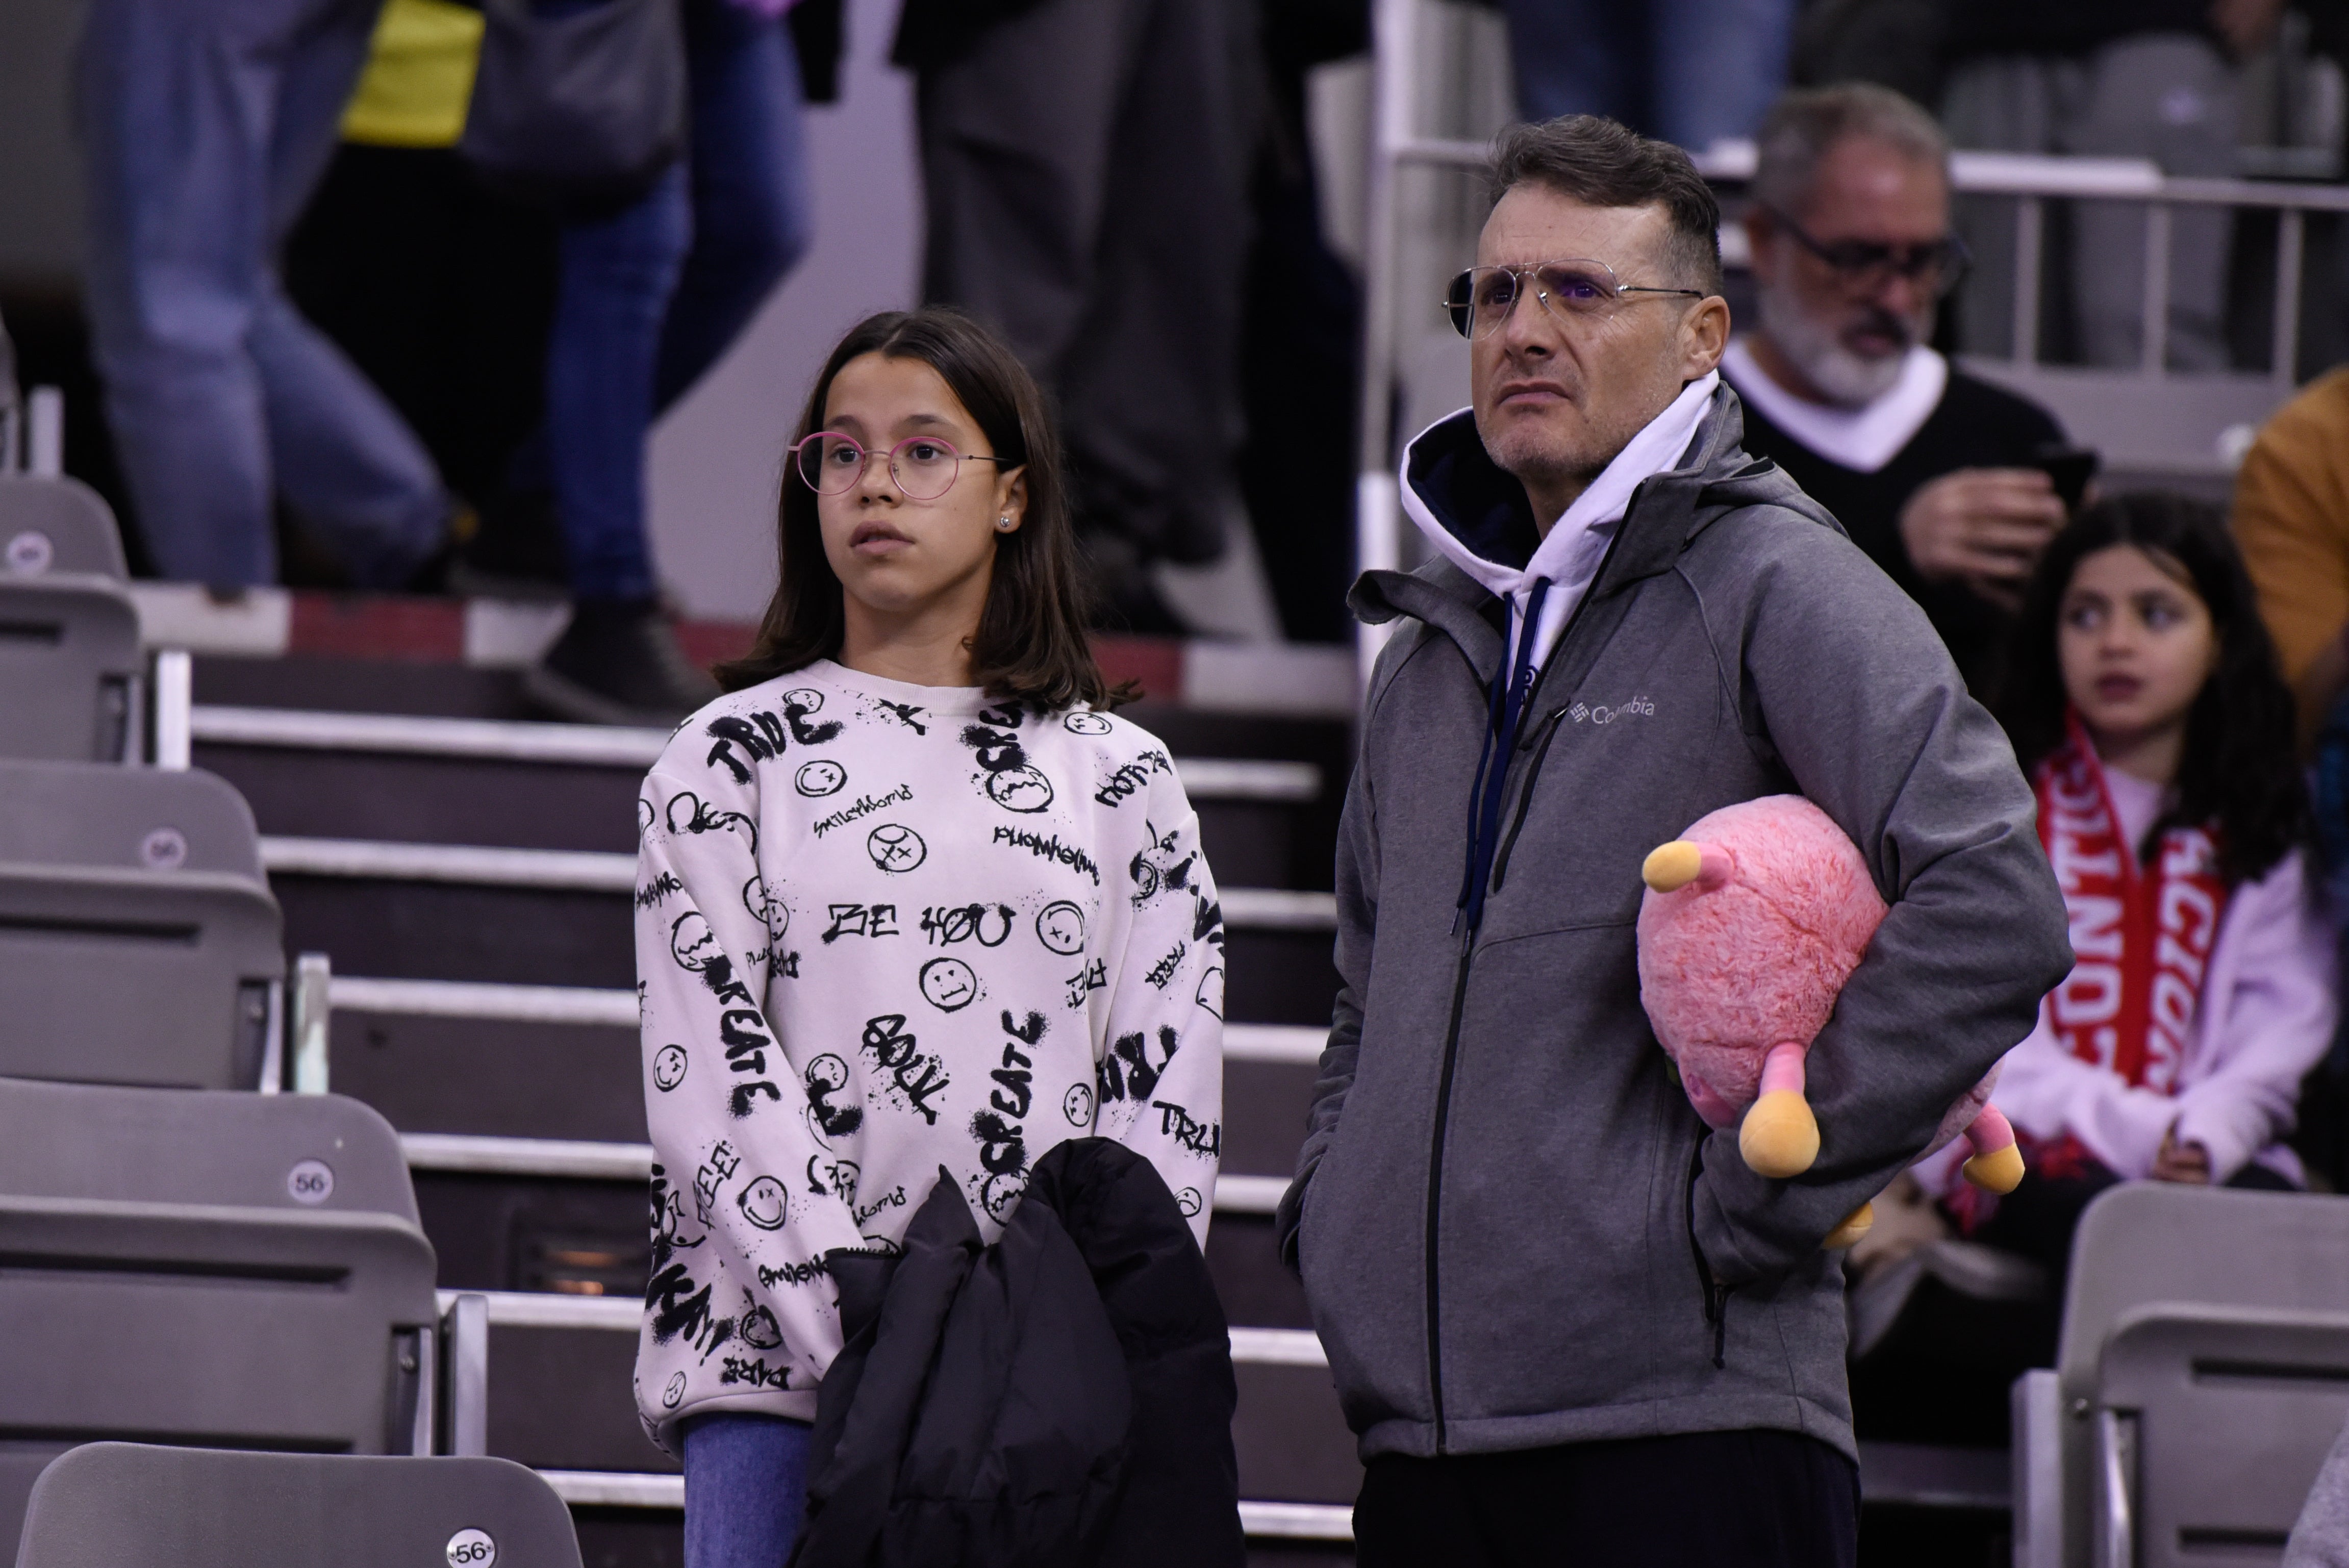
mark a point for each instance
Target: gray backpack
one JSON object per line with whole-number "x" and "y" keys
{"x": 580, "y": 106}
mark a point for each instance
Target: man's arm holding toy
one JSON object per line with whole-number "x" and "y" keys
{"x": 1847, "y": 688}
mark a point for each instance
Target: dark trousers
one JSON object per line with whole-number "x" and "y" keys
{"x": 1756, "y": 1499}
{"x": 1085, "y": 169}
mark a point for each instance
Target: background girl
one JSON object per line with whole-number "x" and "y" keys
{"x": 2144, "y": 700}
{"x": 907, "y": 899}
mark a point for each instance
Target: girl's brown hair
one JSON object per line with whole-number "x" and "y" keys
{"x": 1030, "y": 647}
{"x": 2239, "y": 770}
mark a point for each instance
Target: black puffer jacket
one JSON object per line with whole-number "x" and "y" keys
{"x": 1063, "y": 1397}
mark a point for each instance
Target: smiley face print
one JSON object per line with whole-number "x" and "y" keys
{"x": 949, "y": 984}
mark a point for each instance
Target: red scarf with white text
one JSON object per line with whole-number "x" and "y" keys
{"x": 2141, "y": 935}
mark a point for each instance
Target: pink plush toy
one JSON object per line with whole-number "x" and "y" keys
{"x": 1752, "y": 920}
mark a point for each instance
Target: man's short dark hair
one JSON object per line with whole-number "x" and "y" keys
{"x": 1600, "y": 163}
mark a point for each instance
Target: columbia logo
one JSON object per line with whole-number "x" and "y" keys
{"x": 1638, "y": 706}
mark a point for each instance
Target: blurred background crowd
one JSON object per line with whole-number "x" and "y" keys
{"x": 512, "y": 299}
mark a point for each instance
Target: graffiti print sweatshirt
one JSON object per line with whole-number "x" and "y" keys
{"x": 883, "y": 929}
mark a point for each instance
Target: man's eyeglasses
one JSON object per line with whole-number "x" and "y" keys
{"x": 1935, "y": 266}
{"x": 924, "y": 467}
{"x": 1481, "y": 298}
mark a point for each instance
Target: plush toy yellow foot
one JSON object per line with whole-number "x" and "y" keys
{"x": 1779, "y": 1137}
{"x": 1671, "y": 867}
{"x": 1997, "y": 1170}
{"x": 1855, "y": 1225}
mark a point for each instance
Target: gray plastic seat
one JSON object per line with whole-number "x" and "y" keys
{"x": 125, "y": 1505}
{"x": 129, "y": 819}
{"x": 138, "y": 941}
{"x": 302, "y": 1331}
{"x": 71, "y": 669}
{"x": 2201, "y": 1377}
{"x": 304, "y": 1152}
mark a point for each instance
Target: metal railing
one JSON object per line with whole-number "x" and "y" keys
{"x": 651, "y": 1489}
{"x": 579, "y": 1159}
{"x": 598, "y": 745}
{"x": 1400, "y": 38}
{"x": 612, "y": 871}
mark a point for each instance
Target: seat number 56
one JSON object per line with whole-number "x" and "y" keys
{"x": 472, "y": 1549}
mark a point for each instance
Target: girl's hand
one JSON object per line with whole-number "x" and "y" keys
{"x": 2186, "y": 1162}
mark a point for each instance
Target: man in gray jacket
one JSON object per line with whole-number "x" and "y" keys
{"x": 1565, "y": 1319}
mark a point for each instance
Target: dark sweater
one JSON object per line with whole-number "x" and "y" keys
{"x": 1976, "y": 426}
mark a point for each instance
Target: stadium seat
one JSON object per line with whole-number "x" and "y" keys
{"x": 138, "y": 941}
{"x": 70, "y": 665}
{"x": 128, "y": 1505}
{"x": 232, "y": 1327}
{"x": 2202, "y": 1376}
{"x": 319, "y": 1153}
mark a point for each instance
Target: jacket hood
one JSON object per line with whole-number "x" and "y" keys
{"x": 1501, "y": 545}
{"x": 1455, "y": 492}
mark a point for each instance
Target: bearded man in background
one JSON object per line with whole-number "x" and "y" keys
{"x": 1928, "y": 470}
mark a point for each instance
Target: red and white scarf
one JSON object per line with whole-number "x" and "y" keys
{"x": 2141, "y": 935}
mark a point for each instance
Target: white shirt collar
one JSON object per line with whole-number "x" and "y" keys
{"x": 1864, "y": 439}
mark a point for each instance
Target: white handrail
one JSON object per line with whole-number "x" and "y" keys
{"x": 598, "y": 745}
{"x": 1279, "y": 1045}
{"x": 579, "y": 1159}
{"x": 617, "y": 1488}
{"x": 624, "y": 1315}
{"x": 604, "y": 872}
{"x": 2032, "y": 179}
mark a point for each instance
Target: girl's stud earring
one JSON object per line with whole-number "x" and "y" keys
{"x": 1003, "y": 523}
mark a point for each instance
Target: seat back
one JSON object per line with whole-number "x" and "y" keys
{"x": 167, "y": 978}
{"x": 2213, "y": 1425}
{"x": 2159, "y": 1241}
{"x": 139, "y": 942}
{"x": 303, "y": 1152}
{"x": 2148, "y": 1243}
{"x": 52, "y": 524}
{"x": 125, "y": 1505}
{"x": 128, "y": 819}
{"x": 70, "y": 662}
{"x": 224, "y": 1327}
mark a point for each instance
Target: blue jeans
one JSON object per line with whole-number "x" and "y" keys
{"x": 745, "y": 1489}
{"x": 1689, "y": 71}
{"x": 651, "y": 296}
{"x": 204, "y": 129}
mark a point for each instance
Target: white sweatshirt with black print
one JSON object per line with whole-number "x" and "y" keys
{"x": 882, "y": 928}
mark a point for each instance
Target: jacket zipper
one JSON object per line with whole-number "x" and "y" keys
{"x": 1436, "y": 1188}
{"x": 1716, "y": 1294}
{"x": 1525, "y": 799}
{"x": 1459, "y": 1004}
{"x": 1551, "y": 725}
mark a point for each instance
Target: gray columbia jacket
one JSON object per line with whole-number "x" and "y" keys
{"x": 1512, "y": 1230}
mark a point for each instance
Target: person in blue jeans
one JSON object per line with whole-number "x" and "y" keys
{"x": 204, "y": 129}
{"x": 649, "y": 297}
{"x": 1689, "y": 72}
{"x": 750, "y": 1473}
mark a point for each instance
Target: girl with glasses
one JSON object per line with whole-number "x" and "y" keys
{"x": 913, "y": 906}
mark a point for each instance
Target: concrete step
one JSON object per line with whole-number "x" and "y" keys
{"x": 470, "y": 1073}
{"x": 560, "y": 1372}
{"x": 547, "y": 917}
{"x": 580, "y": 1229}
{"x": 432, "y": 780}
{"x": 270, "y": 641}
